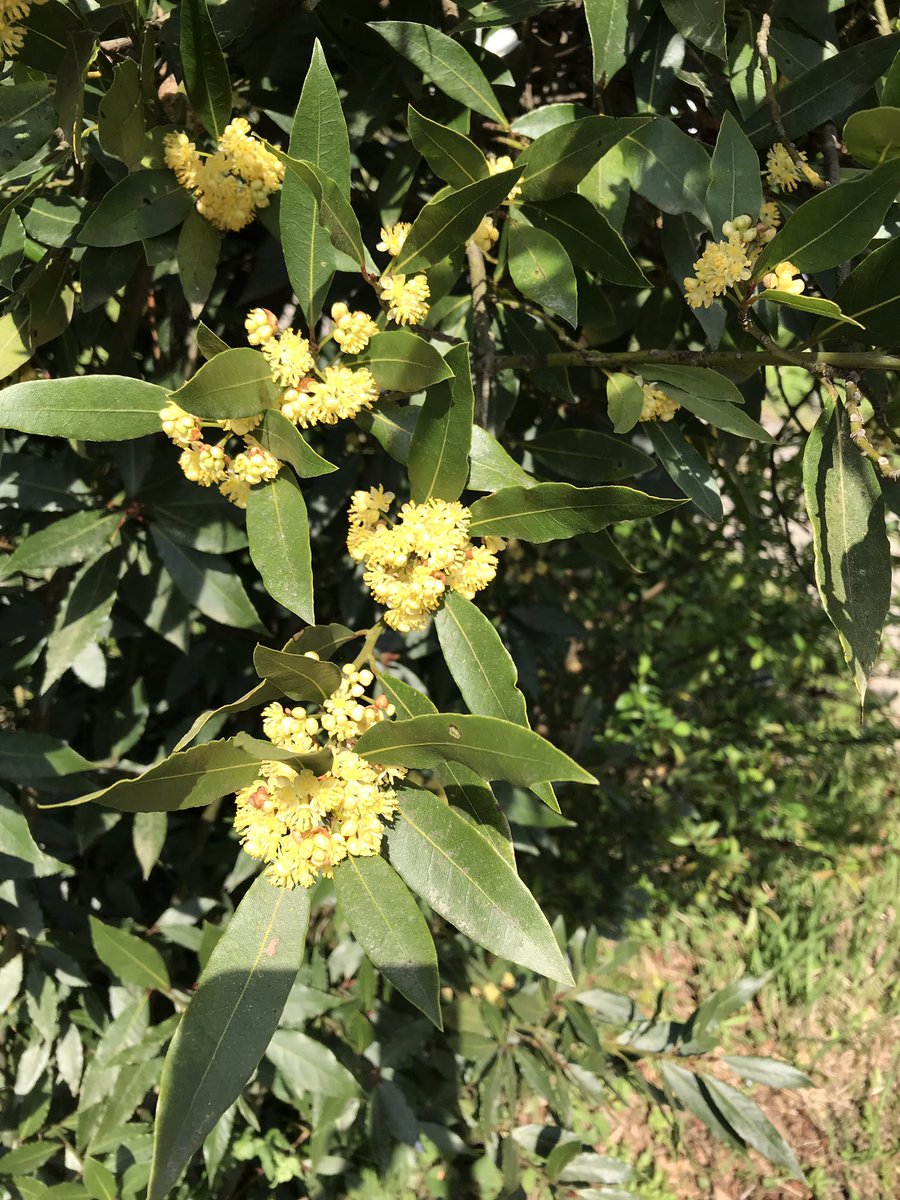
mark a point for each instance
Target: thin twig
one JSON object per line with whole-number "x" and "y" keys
{"x": 483, "y": 355}
{"x": 882, "y": 20}
{"x": 866, "y": 360}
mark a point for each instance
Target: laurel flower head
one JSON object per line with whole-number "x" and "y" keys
{"x": 658, "y": 405}
{"x": 406, "y": 298}
{"x": 781, "y": 170}
{"x": 352, "y": 330}
{"x": 393, "y": 237}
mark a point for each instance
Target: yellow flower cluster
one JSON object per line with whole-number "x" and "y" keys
{"x": 12, "y": 33}
{"x": 406, "y": 298}
{"x": 411, "y": 563}
{"x": 784, "y": 278}
{"x": 207, "y": 463}
{"x": 352, "y": 330}
{"x": 499, "y": 163}
{"x": 393, "y": 237}
{"x": 231, "y": 184}
{"x": 781, "y": 170}
{"x": 485, "y": 235}
{"x": 658, "y": 405}
{"x": 725, "y": 263}
{"x": 302, "y": 824}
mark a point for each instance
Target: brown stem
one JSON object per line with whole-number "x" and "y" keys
{"x": 483, "y": 355}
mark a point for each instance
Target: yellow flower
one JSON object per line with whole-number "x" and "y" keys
{"x": 485, "y": 235}
{"x": 255, "y": 464}
{"x": 781, "y": 170}
{"x": 340, "y": 394}
{"x": 406, "y": 298}
{"x": 242, "y": 425}
{"x": 352, "y": 330}
{"x": 783, "y": 278}
{"x": 289, "y": 358}
{"x": 12, "y": 34}
{"x": 222, "y": 198}
{"x": 181, "y": 156}
{"x": 499, "y": 163}
{"x": 393, "y": 237}
{"x": 203, "y": 464}
{"x": 722, "y": 264}
{"x": 261, "y": 326}
{"x": 291, "y": 729}
{"x": 182, "y": 427}
{"x": 658, "y": 405}
{"x": 770, "y": 215}
{"x": 236, "y": 490}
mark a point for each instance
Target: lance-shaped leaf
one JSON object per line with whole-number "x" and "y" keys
{"x": 25, "y": 756}
{"x": 278, "y": 529}
{"x": 235, "y": 383}
{"x": 140, "y": 206}
{"x": 549, "y": 511}
{"x": 700, "y": 21}
{"x": 493, "y": 748}
{"x": 810, "y": 304}
{"x": 439, "y": 451}
{"x": 769, "y": 1071}
{"x": 457, "y": 871}
{"x": 295, "y": 675}
{"x": 608, "y": 22}
{"x": 870, "y": 293}
{"x": 199, "y": 244}
{"x": 403, "y": 362}
{"x": 451, "y": 155}
{"x": 130, "y": 958}
{"x": 588, "y": 455}
{"x": 474, "y": 799}
{"x": 121, "y": 126}
{"x": 491, "y": 467}
{"x": 668, "y": 168}
{"x": 446, "y": 222}
{"x": 86, "y": 607}
{"x": 93, "y": 408}
{"x": 744, "y": 1116}
{"x": 557, "y": 161}
{"x": 20, "y": 855}
{"x": 625, "y": 401}
{"x": 387, "y": 923}
{"x": 289, "y": 445}
{"x": 834, "y": 225}
{"x": 720, "y": 415}
{"x": 206, "y": 78}
{"x": 335, "y": 212}
{"x": 852, "y": 554}
{"x": 702, "y": 382}
{"x": 228, "y": 1024}
{"x": 208, "y": 582}
{"x": 873, "y": 136}
{"x": 542, "y": 271}
{"x": 687, "y": 468}
{"x": 444, "y": 62}
{"x": 70, "y": 540}
{"x": 588, "y": 237}
{"x": 734, "y": 179}
{"x": 408, "y": 701}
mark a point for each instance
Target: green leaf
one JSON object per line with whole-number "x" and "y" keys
{"x": 139, "y": 206}
{"x": 14, "y": 353}
{"x": 208, "y": 343}
{"x": 588, "y": 237}
{"x": 668, "y": 168}
{"x": 768, "y": 1071}
{"x": 751, "y": 1124}
{"x": 686, "y": 467}
{"x": 20, "y": 855}
{"x": 209, "y": 583}
{"x": 206, "y": 77}
{"x": 852, "y": 555}
{"x": 734, "y": 179}
{"x": 451, "y": 155}
{"x": 27, "y": 119}
{"x": 607, "y": 22}
{"x": 82, "y": 615}
{"x": 25, "y": 756}
{"x": 387, "y": 923}
{"x": 625, "y": 400}
{"x": 235, "y": 383}
{"x": 827, "y": 89}
{"x": 408, "y": 701}
{"x": 287, "y": 443}
{"x": 890, "y": 93}
{"x": 444, "y": 63}
{"x": 228, "y": 1024}
{"x": 67, "y": 541}
{"x": 51, "y": 220}
{"x": 491, "y": 467}
{"x": 295, "y": 675}
{"x": 130, "y": 958}
{"x": 811, "y": 304}
{"x": 148, "y": 836}
{"x": 447, "y": 221}
{"x": 98, "y": 1181}
{"x": 25, "y": 1160}
{"x": 557, "y": 161}
{"x": 720, "y": 415}
{"x": 278, "y": 529}
{"x": 403, "y": 362}
{"x": 439, "y": 451}
{"x": 335, "y": 212}
{"x": 542, "y": 271}
{"x": 590, "y": 456}
{"x": 198, "y": 258}
{"x": 834, "y": 225}
{"x": 493, "y": 748}
{"x": 472, "y": 797}
{"x": 698, "y": 381}
{"x": 262, "y": 693}
{"x": 549, "y": 511}
{"x": 92, "y": 408}
{"x": 870, "y": 293}
{"x": 873, "y": 136}
{"x": 701, "y": 22}
{"x": 456, "y": 870}
{"x": 121, "y": 126}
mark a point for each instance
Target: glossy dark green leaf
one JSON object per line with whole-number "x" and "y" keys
{"x": 25, "y": 756}
{"x": 607, "y": 22}
{"x": 438, "y": 459}
{"x": 457, "y": 871}
{"x": 589, "y": 456}
{"x": 668, "y": 168}
{"x": 228, "y": 1024}
{"x": 444, "y": 62}
{"x": 52, "y": 220}
{"x": 121, "y": 127}
{"x": 873, "y": 136}
{"x": 549, "y": 511}
{"x": 68, "y": 540}
{"x": 93, "y": 408}
{"x": 289, "y": 445}
{"x": 719, "y": 414}
{"x": 334, "y": 210}
{"x": 82, "y": 615}
{"x": 472, "y": 797}
{"x": 26, "y": 1159}
{"x": 235, "y": 383}
{"x": 140, "y": 206}
{"x": 834, "y": 225}
{"x": 625, "y": 400}
{"x": 810, "y": 304}
{"x": 447, "y": 221}
{"x": 588, "y": 237}
{"x": 295, "y": 675}
{"x": 699, "y": 381}
{"x": 198, "y": 257}
{"x": 27, "y": 119}
{"x": 557, "y": 161}
{"x": 852, "y": 555}
{"x": 278, "y": 529}
{"x": 20, "y": 855}
{"x": 702, "y": 22}
{"x": 493, "y": 748}
{"x": 206, "y": 77}
{"x": 130, "y": 958}
{"x": 208, "y": 582}
{"x": 403, "y": 362}
{"x": 408, "y": 701}
{"x": 734, "y": 179}
{"x": 451, "y": 155}
{"x": 542, "y": 271}
{"x": 387, "y": 923}
{"x": 686, "y": 467}
{"x": 871, "y": 294}
{"x": 491, "y": 467}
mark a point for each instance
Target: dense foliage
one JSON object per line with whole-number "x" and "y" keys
{"x": 412, "y": 415}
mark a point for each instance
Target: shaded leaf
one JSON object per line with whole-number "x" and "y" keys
{"x": 206, "y": 77}
{"x": 668, "y": 168}
{"x": 588, "y": 237}
{"x": 734, "y": 179}
{"x": 557, "y": 161}
{"x": 549, "y": 511}
{"x": 69, "y": 540}
{"x": 687, "y": 468}
{"x": 590, "y": 456}
{"x": 451, "y": 155}
{"x": 701, "y": 22}
{"x": 438, "y": 458}
{"x": 139, "y": 206}
{"x": 208, "y": 582}
{"x": 542, "y": 271}
{"x": 297, "y": 676}
{"x": 83, "y": 613}
{"x": 130, "y": 958}
{"x": 278, "y": 529}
